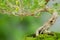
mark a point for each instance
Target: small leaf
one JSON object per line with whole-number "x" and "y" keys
{"x": 17, "y": 2}
{"x": 17, "y": 8}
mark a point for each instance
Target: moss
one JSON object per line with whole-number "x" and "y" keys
{"x": 53, "y": 36}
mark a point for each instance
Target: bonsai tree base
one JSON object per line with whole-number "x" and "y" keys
{"x": 52, "y": 36}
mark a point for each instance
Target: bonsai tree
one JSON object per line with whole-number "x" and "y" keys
{"x": 26, "y": 8}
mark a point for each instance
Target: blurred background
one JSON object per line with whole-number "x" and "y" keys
{"x": 16, "y": 27}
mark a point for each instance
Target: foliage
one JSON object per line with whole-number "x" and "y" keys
{"x": 18, "y": 6}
